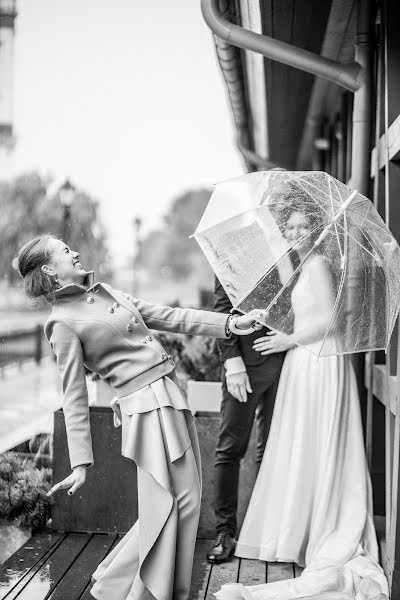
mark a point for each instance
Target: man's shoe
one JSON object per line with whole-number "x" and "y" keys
{"x": 222, "y": 549}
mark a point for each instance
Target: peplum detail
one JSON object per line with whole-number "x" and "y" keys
{"x": 158, "y": 430}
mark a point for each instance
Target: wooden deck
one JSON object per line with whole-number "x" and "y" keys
{"x": 57, "y": 566}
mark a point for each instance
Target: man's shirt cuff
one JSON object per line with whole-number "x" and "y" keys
{"x": 234, "y": 365}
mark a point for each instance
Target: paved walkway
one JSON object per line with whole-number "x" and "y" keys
{"x": 28, "y": 397}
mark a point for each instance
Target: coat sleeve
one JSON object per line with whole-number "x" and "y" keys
{"x": 227, "y": 348}
{"x": 67, "y": 347}
{"x": 181, "y": 320}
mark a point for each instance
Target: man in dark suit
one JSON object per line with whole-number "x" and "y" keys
{"x": 249, "y": 384}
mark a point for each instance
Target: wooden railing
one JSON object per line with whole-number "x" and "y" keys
{"x": 21, "y": 345}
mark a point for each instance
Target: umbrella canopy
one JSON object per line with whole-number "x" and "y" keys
{"x": 300, "y": 245}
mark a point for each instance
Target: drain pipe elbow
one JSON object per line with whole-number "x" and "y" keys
{"x": 347, "y": 75}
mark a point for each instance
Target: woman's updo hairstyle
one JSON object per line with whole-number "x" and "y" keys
{"x": 31, "y": 257}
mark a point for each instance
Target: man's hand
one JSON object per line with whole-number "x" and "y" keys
{"x": 238, "y": 384}
{"x": 73, "y": 481}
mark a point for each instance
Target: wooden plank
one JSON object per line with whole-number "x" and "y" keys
{"x": 388, "y": 490}
{"x": 35, "y": 550}
{"x": 395, "y": 488}
{"x": 379, "y": 386}
{"x": 252, "y": 572}
{"x": 226, "y": 573}
{"x": 279, "y": 571}
{"x": 369, "y": 361}
{"x": 77, "y": 578}
{"x": 394, "y": 139}
{"x": 379, "y": 152}
{"x": 201, "y": 570}
{"x": 86, "y": 594}
{"x": 46, "y": 578}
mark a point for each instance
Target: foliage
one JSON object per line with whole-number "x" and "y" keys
{"x": 23, "y": 490}
{"x": 27, "y": 211}
{"x": 169, "y": 251}
{"x": 195, "y": 357}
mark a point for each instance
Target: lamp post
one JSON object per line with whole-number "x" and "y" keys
{"x": 137, "y": 225}
{"x": 66, "y": 194}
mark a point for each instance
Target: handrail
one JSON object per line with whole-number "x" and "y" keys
{"x": 349, "y": 75}
{"x": 11, "y": 350}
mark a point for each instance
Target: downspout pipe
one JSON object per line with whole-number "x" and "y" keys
{"x": 254, "y": 159}
{"x": 349, "y": 75}
{"x": 362, "y": 108}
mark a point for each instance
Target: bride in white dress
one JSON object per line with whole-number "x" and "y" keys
{"x": 312, "y": 501}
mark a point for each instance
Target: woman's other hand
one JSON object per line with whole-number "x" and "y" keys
{"x": 274, "y": 341}
{"x": 73, "y": 481}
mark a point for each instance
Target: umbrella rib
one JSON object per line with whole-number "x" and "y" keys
{"x": 336, "y": 224}
{"x": 338, "y": 294}
{"x": 364, "y": 298}
{"x": 321, "y": 205}
{"x": 273, "y": 267}
{"x": 302, "y": 187}
{"x": 357, "y": 242}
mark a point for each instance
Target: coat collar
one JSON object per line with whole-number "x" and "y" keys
{"x": 71, "y": 290}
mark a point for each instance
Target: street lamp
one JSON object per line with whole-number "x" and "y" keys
{"x": 66, "y": 193}
{"x": 137, "y": 226}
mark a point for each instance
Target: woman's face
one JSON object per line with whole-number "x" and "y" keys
{"x": 64, "y": 263}
{"x": 298, "y": 226}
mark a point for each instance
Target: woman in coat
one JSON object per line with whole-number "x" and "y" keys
{"x": 107, "y": 331}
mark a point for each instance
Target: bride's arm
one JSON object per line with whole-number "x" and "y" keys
{"x": 322, "y": 291}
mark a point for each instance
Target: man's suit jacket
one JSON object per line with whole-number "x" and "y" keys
{"x": 240, "y": 345}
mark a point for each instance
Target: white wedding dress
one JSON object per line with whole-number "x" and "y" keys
{"x": 312, "y": 501}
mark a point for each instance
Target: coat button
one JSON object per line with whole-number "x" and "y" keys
{"x": 164, "y": 355}
{"x": 135, "y": 319}
{"x": 115, "y": 305}
{"x": 129, "y": 328}
{"x": 148, "y": 338}
{"x": 90, "y": 299}
{"x": 110, "y": 309}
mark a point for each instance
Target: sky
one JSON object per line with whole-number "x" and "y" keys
{"x": 125, "y": 98}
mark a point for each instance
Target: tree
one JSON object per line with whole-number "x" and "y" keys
{"x": 26, "y": 211}
{"x": 170, "y": 250}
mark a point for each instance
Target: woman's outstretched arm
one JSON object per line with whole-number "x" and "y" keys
{"x": 186, "y": 320}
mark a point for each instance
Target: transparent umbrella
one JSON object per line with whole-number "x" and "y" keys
{"x": 287, "y": 241}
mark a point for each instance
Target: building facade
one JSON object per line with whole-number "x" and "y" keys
{"x": 328, "y": 99}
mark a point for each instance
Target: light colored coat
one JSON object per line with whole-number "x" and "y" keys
{"x": 107, "y": 331}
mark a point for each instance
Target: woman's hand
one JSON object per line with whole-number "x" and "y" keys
{"x": 274, "y": 341}
{"x": 73, "y": 481}
{"x": 250, "y": 319}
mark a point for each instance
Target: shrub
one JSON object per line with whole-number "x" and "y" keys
{"x": 23, "y": 490}
{"x": 195, "y": 357}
